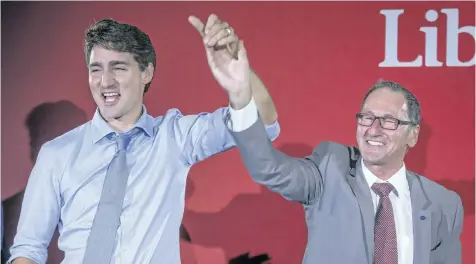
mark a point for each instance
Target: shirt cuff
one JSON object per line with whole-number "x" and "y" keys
{"x": 273, "y": 130}
{"x": 244, "y": 118}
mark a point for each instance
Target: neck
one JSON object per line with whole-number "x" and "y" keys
{"x": 126, "y": 122}
{"x": 383, "y": 172}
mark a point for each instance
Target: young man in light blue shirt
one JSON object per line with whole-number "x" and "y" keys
{"x": 67, "y": 186}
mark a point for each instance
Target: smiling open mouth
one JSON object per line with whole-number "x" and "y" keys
{"x": 374, "y": 143}
{"x": 111, "y": 98}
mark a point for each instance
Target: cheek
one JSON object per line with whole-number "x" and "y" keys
{"x": 360, "y": 132}
{"x": 94, "y": 82}
{"x": 130, "y": 86}
{"x": 127, "y": 81}
{"x": 397, "y": 140}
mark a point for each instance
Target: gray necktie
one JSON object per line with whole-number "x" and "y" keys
{"x": 101, "y": 241}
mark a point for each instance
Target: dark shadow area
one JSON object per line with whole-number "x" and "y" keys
{"x": 298, "y": 150}
{"x": 247, "y": 259}
{"x": 184, "y": 234}
{"x": 465, "y": 189}
{"x": 416, "y": 161}
{"x": 44, "y": 123}
{"x": 260, "y": 220}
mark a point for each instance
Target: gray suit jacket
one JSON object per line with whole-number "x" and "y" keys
{"x": 338, "y": 205}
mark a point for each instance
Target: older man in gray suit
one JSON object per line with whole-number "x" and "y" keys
{"x": 362, "y": 205}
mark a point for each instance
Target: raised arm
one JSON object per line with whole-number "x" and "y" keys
{"x": 266, "y": 108}
{"x": 201, "y": 136}
{"x": 39, "y": 213}
{"x": 206, "y": 134}
{"x": 296, "y": 179}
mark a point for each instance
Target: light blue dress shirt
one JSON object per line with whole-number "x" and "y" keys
{"x": 65, "y": 185}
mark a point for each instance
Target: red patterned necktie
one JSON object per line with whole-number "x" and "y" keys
{"x": 385, "y": 251}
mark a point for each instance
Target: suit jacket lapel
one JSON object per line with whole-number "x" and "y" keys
{"x": 361, "y": 190}
{"x": 421, "y": 218}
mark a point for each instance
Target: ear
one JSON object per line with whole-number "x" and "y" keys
{"x": 147, "y": 74}
{"x": 413, "y": 136}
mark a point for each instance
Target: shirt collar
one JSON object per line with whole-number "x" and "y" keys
{"x": 101, "y": 129}
{"x": 398, "y": 180}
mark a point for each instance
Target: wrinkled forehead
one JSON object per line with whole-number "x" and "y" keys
{"x": 102, "y": 56}
{"x": 385, "y": 102}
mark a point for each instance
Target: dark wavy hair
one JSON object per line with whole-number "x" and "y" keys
{"x": 120, "y": 37}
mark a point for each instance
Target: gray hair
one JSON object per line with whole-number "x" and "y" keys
{"x": 413, "y": 110}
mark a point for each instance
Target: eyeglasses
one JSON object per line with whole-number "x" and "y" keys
{"x": 389, "y": 123}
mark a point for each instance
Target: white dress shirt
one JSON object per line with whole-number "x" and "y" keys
{"x": 244, "y": 118}
{"x": 402, "y": 210}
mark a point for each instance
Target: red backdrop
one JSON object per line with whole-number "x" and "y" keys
{"x": 316, "y": 58}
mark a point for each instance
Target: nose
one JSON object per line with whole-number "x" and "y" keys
{"x": 375, "y": 128}
{"x": 107, "y": 79}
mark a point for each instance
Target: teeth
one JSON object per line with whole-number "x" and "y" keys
{"x": 110, "y": 94}
{"x": 374, "y": 143}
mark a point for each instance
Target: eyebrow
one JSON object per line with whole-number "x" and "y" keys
{"x": 112, "y": 63}
{"x": 94, "y": 64}
{"x": 385, "y": 115}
